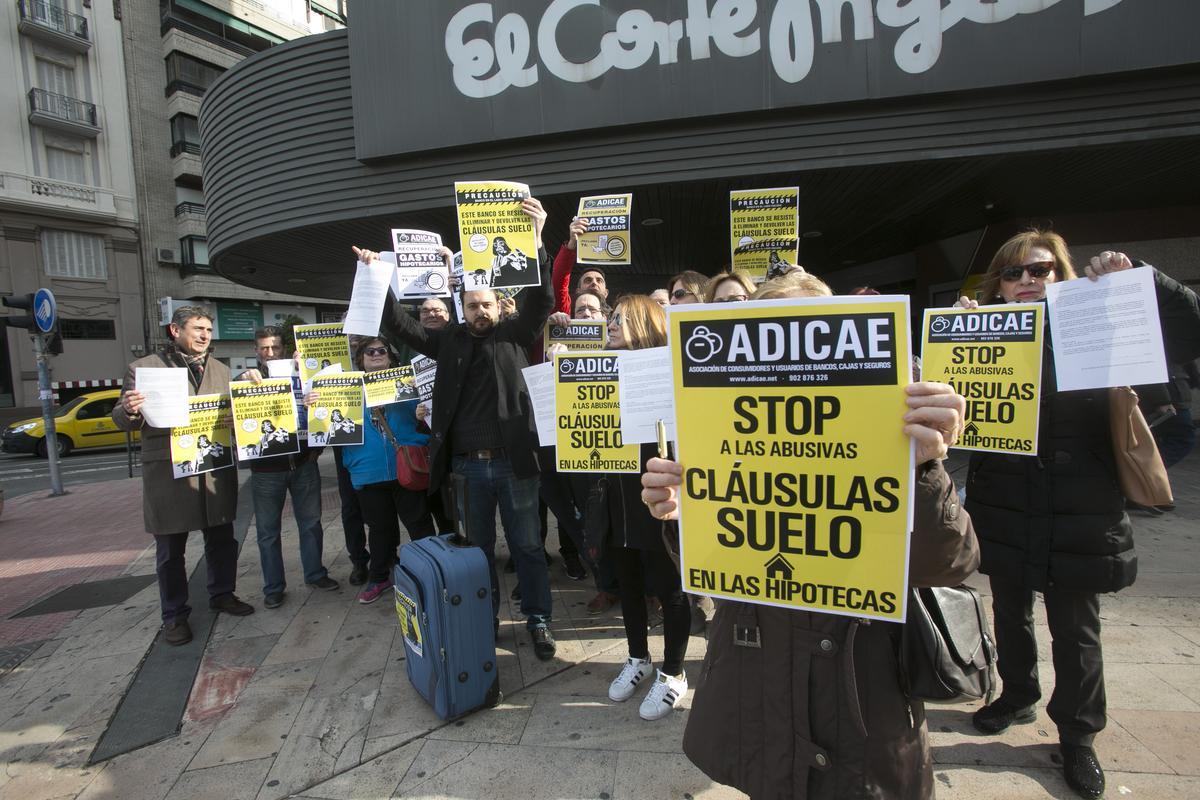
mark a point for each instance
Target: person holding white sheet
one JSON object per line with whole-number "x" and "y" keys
{"x": 175, "y": 506}
{"x": 1055, "y": 523}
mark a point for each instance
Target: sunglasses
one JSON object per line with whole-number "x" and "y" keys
{"x": 733, "y": 298}
{"x": 376, "y": 351}
{"x": 1039, "y": 269}
{"x": 617, "y": 320}
{"x": 679, "y": 294}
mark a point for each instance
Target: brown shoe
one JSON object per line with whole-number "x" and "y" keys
{"x": 177, "y": 633}
{"x": 229, "y": 604}
{"x": 602, "y": 602}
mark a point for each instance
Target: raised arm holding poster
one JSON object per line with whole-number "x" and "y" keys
{"x": 264, "y": 418}
{"x": 607, "y": 241}
{"x": 424, "y": 374}
{"x": 337, "y": 417}
{"x": 205, "y": 444}
{"x": 498, "y": 243}
{"x": 320, "y": 346}
{"x": 992, "y": 356}
{"x": 793, "y": 494}
{"x": 588, "y": 415}
{"x": 764, "y": 230}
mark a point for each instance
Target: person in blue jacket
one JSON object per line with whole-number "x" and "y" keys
{"x": 372, "y": 466}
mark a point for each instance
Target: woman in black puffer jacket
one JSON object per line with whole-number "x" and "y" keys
{"x": 1056, "y": 523}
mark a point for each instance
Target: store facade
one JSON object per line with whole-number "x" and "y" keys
{"x": 920, "y": 135}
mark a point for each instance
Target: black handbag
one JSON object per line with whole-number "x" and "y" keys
{"x": 947, "y": 654}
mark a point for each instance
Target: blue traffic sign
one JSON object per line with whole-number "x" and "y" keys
{"x": 45, "y": 310}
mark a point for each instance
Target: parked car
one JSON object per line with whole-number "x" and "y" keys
{"x": 84, "y": 422}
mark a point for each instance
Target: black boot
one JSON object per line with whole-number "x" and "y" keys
{"x": 1082, "y": 770}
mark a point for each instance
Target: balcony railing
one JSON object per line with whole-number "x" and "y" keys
{"x": 189, "y": 208}
{"x": 185, "y": 147}
{"x": 54, "y": 18}
{"x": 61, "y": 107}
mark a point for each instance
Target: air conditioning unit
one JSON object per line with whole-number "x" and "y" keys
{"x": 168, "y": 256}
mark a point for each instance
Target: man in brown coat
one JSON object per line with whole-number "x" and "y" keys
{"x": 175, "y": 506}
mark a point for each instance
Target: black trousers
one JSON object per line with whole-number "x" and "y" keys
{"x": 383, "y": 506}
{"x": 220, "y": 556}
{"x": 651, "y": 572}
{"x": 1077, "y": 705}
{"x": 352, "y": 518}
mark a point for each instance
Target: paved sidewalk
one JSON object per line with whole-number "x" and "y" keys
{"x": 311, "y": 700}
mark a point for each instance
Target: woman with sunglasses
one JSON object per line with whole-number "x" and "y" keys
{"x": 372, "y": 466}
{"x": 1056, "y": 523}
{"x": 634, "y": 541}
{"x": 730, "y": 286}
{"x": 686, "y": 287}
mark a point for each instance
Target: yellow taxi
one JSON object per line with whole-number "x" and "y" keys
{"x": 83, "y": 422}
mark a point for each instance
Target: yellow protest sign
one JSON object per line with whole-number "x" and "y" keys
{"x": 498, "y": 243}
{"x": 205, "y": 444}
{"x": 337, "y": 417}
{"x": 607, "y": 241}
{"x": 797, "y": 487}
{"x": 764, "y": 230}
{"x": 992, "y": 356}
{"x": 321, "y": 346}
{"x": 588, "y": 412}
{"x": 577, "y": 334}
{"x": 410, "y": 621}
{"x": 391, "y": 385}
{"x": 264, "y": 418}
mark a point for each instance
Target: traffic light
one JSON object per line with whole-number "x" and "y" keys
{"x": 26, "y": 321}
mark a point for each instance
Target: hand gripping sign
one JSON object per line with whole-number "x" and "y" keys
{"x": 797, "y": 484}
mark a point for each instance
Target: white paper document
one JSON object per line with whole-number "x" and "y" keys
{"x": 646, "y": 394}
{"x": 166, "y": 391}
{"x": 539, "y": 379}
{"x": 371, "y": 282}
{"x": 1106, "y": 332}
{"x": 281, "y": 368}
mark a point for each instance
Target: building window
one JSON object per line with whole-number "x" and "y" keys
{"x": 88, "y": 329}
{"x": 63, "y": 164}
{"x": 194, "y": 250}
{"x": 190, "y": 75}
{"x": 71, "y": 254}
{"x": 185, "y": 135}
{"x": 56, "y": 77}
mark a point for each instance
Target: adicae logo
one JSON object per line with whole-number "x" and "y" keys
{"x": 939, "y": 324}
{"x": 703, "y": 344}
{"x": 566, "y": 366}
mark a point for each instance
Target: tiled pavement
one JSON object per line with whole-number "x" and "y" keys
{"x": 311, "y": 700}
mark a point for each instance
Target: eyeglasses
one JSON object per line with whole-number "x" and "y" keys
{"x": 376, "y": 351}
{"x": 1038, "y": 269}
{"x": 733, "y": 298}
{"x": 617, "y": 319}
{"x": 679, "y": 294}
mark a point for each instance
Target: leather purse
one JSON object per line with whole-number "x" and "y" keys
{"x": 412, "y": 466}
{"x": 947, "y": 654}
{"x": 412, "y": 460}
{"x": 1140, "y": 471}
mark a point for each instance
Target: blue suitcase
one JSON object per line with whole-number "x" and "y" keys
{"x": 443, "y": 600}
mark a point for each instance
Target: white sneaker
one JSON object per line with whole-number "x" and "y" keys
{"x": 632, "y": 674}
{"x": 664, "y": 695}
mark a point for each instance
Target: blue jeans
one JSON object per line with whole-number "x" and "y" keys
{"x": 270, "y": 489}
{"x": 492, "y": 482}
